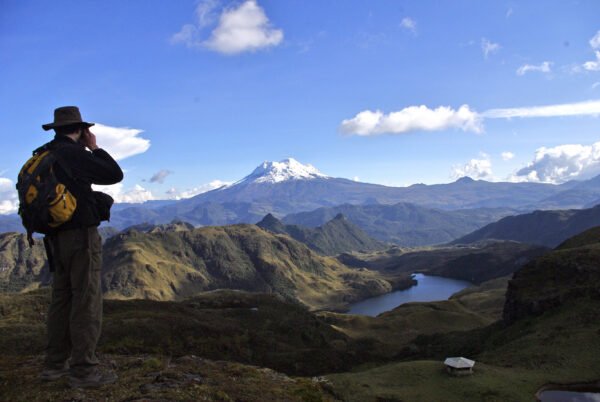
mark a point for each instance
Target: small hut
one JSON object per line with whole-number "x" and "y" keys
{"x": 459, "y": 366}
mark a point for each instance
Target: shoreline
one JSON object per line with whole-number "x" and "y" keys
{"x": 582, "y": 387}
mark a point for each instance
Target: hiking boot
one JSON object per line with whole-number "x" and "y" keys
{"x": 93, "y": 380}
{"x": 53, "y": 374}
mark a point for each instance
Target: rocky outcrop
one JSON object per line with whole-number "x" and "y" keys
{"x": 21, "y": 266}
{"x": 336, "y": 236}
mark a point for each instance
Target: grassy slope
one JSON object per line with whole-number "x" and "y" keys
{"x": 551, "y": 337}
{"x": 486, "y": 299}
{"x": 560, "y": 347}
{"x": 245, "y": 327}
{"x": 394, "y": 330}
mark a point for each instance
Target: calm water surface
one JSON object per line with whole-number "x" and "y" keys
{"x": 569, "y": 396}
{"x": 430, "y": 288}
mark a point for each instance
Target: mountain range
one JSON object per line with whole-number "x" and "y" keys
{"x": 300, "y": 194}
{"x": 286, "y": 187}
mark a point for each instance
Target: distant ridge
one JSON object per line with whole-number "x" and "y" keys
{"x": 404, "y": 223}
{"x": 547, "y": 228}
{"x": 336, "y": 236}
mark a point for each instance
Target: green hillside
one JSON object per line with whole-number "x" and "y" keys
{"x": 172, "y": 265}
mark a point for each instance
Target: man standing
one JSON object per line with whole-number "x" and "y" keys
{"x": 75, "y": 253}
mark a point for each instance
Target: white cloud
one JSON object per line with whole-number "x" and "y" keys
{"x": 175, "y": 194}
{"x": 421, "y": 118}
{"x": 409, "y": 24}
{"x": 568, "y": 109}
{"x": 489, "y": 47}
{"x": 136, "y": 194}
{"x": 475, "y": 168}
{"x": 9, "y": 200}
{"x": 160, "y": 176}
{"x": 595, "y": 85}
{"x": 120, "y": 142}
{"x": 412, "y": 118}
{"x": 562, "y": 163}
{"x": 244, "y": 28}
{"x": 593, "y": 65}
{"x": 506, "y": 156}
{"x": 545, "y": 67}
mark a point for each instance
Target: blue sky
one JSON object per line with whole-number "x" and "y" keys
{"x": 210, "y": 89}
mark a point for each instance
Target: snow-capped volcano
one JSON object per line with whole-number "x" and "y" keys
{"x": 277, "y": 172}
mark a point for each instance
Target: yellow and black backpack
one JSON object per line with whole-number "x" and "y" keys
{"x": 44, "y": 202}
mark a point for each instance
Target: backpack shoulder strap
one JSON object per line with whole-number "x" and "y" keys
{"x": 41, "y": 149}
{"x": 53, "y": 146}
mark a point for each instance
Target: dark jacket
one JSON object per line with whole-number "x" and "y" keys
{"x": 87, "y": 168}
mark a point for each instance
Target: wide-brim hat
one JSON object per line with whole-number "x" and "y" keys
{"x": 66, "y": 116}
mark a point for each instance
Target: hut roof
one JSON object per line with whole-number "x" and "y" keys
{"x": 459, "y": 362}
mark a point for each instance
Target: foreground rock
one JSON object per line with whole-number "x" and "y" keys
{"x": 161, "y": 378}
{"x": 21, "y": 266}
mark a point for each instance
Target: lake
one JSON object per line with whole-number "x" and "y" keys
{"x": 429, "y": 288}
{"x": 569, "y": 396}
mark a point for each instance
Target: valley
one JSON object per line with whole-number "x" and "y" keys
{"x": 526, "y": 339}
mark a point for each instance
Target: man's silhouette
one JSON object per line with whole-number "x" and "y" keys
{"x": 75, "y": 253}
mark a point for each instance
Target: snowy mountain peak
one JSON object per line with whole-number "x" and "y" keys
{"x": 287, "y": 169}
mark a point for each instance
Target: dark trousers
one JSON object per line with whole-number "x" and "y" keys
{"x": 75, "y": 314}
